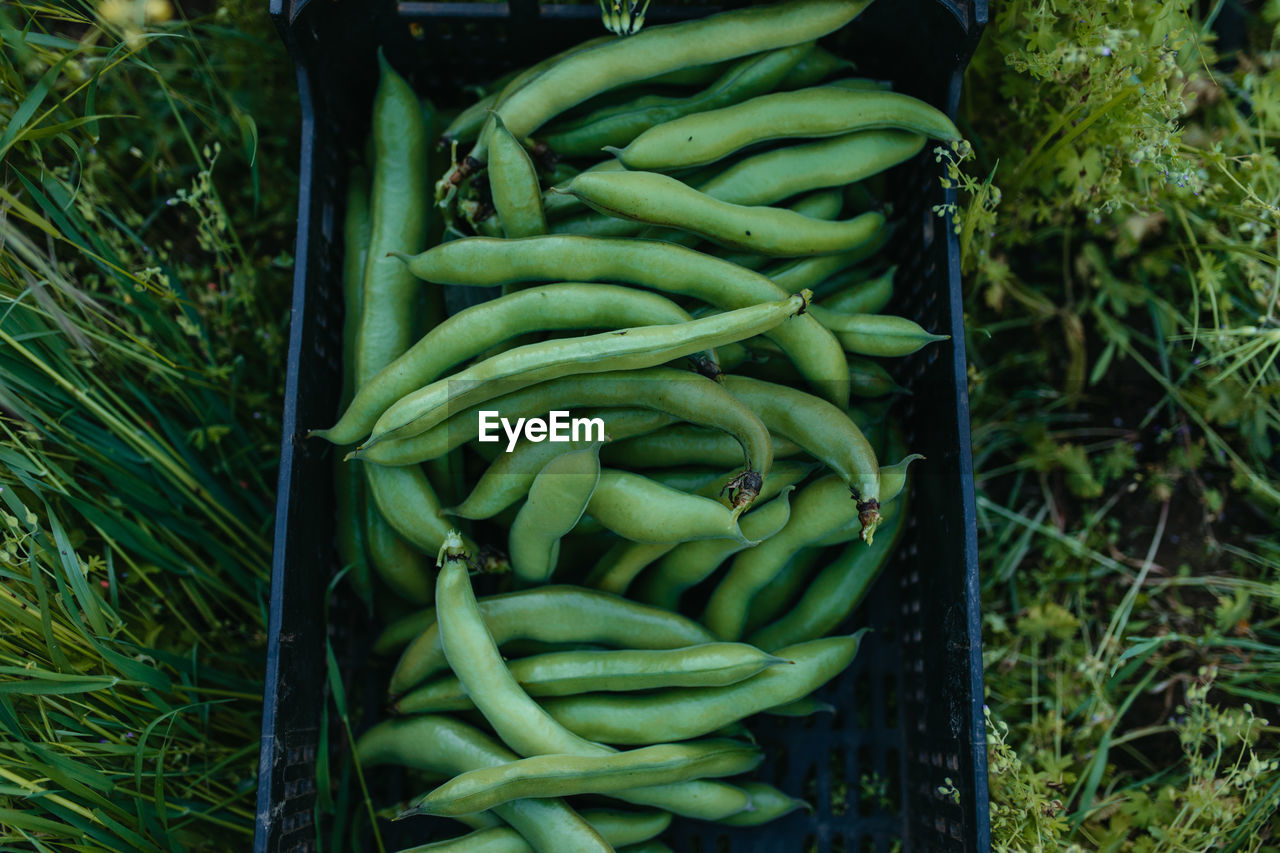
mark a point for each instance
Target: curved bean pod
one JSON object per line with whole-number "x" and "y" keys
{"x": 775, "y": 596}
{"x": 406, "y": 570}
{"x": 692, "y": 562}
{"x": 543, "y": 776}
{"x": 400, "y": 213}
{"x": 865, "y": 297}
{"x": 509, "y": 476}
{"x": 816, "y": 66}
{"x": 556, "y": 614}
{"x": 625, "y": 349}
{"x": 824, "y": 432}
{"x": 877, "y": 334}
{"x": 475, "y": 330}
{"x": 781, "y": 173}
{"x": 620, "y": 565}
{"x": 821, "y": 111}
{"x": 348, "y": 484}
{"x": 513, "y": 181}
{"x": 473, "y": 655}
{"x": 805, "y": 707}
{"x": 835, "y": 592}
{"x": 618, "y": 125}
{"x": 679, "y": 393}
{"x": 404, "y": 630}
{"x": 681, "y": 713}
{"x": 442, "y": 745}
{"x": 868, "y": 378}
{"x": 640, "y": 510}
{"x": 567, "y": 673}
{"x": 557, "y": 499}
{"x": 659, "y": 50}
{"x": 769, "y": 805}
{"x": 467, "y": 124}
{"x": 657, "y": 199}
{"x": 556, "y": 203}
{"x": 485, "y": 262}
{"x": 617, "y": 828}
{"x": 819, "y": 509}
{"x": 406, "y": 500}
{"x": 685, "y": 444}
{"x": 809, "y": 273}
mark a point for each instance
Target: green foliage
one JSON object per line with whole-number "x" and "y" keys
{"x": 141, "y": 338}
{"x": 1117, "y": 226}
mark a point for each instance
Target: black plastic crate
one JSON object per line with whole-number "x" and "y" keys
{"x": 911, "y": 704}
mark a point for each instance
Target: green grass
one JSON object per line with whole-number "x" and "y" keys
{"x": 142, "y": 295}
{"x": 1122, "y": 280}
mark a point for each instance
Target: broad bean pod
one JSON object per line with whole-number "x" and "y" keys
{"x": 610, "y": 671}
{"x": 485, "y": 262}
{"x": 663, "y": 716}
{"x": 556, "y": 614}
{"x": 817, "y": 112}
{"x": 442, "y": 745}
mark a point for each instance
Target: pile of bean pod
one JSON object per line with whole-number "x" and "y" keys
{"x": 683, "y": 228}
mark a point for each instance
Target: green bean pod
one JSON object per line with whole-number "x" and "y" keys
{"x": 543, "y": 776}
{"x": 556, "y": 203}
{"x": 817, "y": 511}
{"x": 467, "y": 124}
{"x": 835, "y": 592}
{"x": 557, "y": 499}
{"x": 824, "y": 432}
{"x": 640, "y": 510}
{"x": 869, "y": 379}
{"x": 877, "y": 334}
{"x": 624, "y": 349}
{"x": 679, "y": 393}
{"x": 784, "y": 172}
{"x": 808, "y": 273}
{"x": 348, "y": 484}
{"x": 816, "y": 66}
{"x": 404, "y": 497}
{"x": 647, "y": 847}
{"x": 442, "y": 745}
{"x": 618, "y": 125}
{"x": 513, "y": 181}
{"x": 617, "y": 828}
{"x": 400, "y": 213}
{"x": 556, "y": 614}
{"x": 865, "y": 297}
{"x": 620, "y": 565}
{"x": 475, "y": 330}
{"x": 778, "y": 594}
{"x": 484, "y": 262}
{"x": 567, "y": 673}
{"x": 509, "y": 476}
{"x": 661, "y": 200}
{"x": 663, "y": 716}
{"x": 473, "y": 655}
{"x": 659, "y": 50}
{"x": 685, "y": 444}
{"x": 404, "y": 630}
{"x": 692, "y": 562}
{"x": 805, "y": 707}
{"x": 768, "y": 803}
{"x": 817, "y": 112}
{"x": 406, "y": 570}
{"x": 624, "y": 560}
